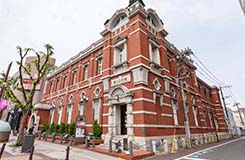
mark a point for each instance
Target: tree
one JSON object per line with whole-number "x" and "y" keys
{"x": 16, "y": 85}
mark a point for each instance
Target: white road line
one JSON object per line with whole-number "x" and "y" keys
{"x": 187, "y": 156}
{"x": 194, "y": 159}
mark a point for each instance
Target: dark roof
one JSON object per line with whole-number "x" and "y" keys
{"x": 131, "y": 2}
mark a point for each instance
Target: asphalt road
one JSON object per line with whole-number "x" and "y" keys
{"x": 233, "y": 150}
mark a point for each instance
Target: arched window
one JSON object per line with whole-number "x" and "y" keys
{"x": 120, "y": 20}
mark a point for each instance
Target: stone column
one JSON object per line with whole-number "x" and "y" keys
{"x": 130, "y": 122}
{"x": 114, "y": 121}
{"x": 110, "y": 121}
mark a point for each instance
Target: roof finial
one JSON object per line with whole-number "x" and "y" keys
{"x": 131, "y": 2}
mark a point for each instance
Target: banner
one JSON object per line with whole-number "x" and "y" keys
{"x": 3, "y": 104}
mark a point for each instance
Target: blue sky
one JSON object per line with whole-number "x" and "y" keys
{"x": 214, "y": 29}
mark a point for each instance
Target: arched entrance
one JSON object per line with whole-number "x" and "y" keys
{"x": 120, "y": 113}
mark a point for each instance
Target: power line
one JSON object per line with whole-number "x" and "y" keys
{"x": 214, "y": 76}
{"x": 206, "y": 73}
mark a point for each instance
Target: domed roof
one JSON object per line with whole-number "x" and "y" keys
{"x": 4, "y": 126}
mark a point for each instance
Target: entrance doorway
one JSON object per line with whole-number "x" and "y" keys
{"x": 121, "y": 120}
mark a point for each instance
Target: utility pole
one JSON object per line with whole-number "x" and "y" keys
{"x": 223, "y": 99}
{"x": 181, "y": 78}
{"x": 227, "y": 120}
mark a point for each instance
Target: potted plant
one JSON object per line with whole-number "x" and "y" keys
{"x": 97, "y": 131}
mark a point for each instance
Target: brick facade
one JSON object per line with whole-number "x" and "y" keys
{"x": 137, "y": 83}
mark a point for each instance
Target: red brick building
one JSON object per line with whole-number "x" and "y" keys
{"x": 128, "y": 81}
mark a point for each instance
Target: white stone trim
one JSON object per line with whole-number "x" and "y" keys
{"x": 144, "y": 112}
{"x": 139, "y": 56}
{"x": 137, "y": 30}
{"x": 166, "y": 104}
{"x": 143, "y": 99}
{"x": 106, "y": 115}
{"x": 139, "y": 88}
{"x": 166, "y": 115}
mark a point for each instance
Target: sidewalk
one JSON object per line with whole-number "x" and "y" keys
{"x": 50, "y": 151}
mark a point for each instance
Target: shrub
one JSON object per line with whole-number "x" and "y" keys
{"x": 57, "y": 128}
{"x": 44, "y": 128}
{"x": 72, "y": 127}
{"x": 52, "y": 128}
{"x": 67, "y": 128}
{"x": 97, "y": 131}
{"x": 62, "y": 129}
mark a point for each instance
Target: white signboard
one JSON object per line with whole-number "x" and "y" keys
{"x": 80, "y": 132}
{"x": 121, "y": 80}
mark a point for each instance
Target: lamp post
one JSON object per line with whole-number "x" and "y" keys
{"x": 52, "y": 113}
{"x": 80, "y": 120}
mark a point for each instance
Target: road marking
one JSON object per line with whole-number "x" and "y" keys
{"x": 206, "y": 150}
{"x": 194, "y": 159}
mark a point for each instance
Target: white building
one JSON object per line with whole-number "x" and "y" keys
{"x": 240, "y": 120}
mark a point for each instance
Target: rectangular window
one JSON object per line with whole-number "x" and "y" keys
{"x": 175, "y": 108}
{"x": 69, "y": 111}
{"x": 170, "y": 65}
{"x": 99, "y": 66}
{"x": 64, "y": 81}
{"x": 51, "y": 87}
{"x": 96, "y": 106}
{"x": 57, "y": 84}
{"x": 195, "y": 115}
{"x": 81, "y": 109}
{"x": 74, "y": 77}
{"x": 210, "y": 119}
{"x": 154, "y": 51}
{"x": 60, "y": 110}
{"x": 120, "y": 54}
{"x": 205, "y": 118}
{"x": 85, "y": 74}
{"x": 167, "y": 86}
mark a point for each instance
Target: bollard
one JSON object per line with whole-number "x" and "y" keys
{"x": 151, "y": 146}
{"x": 39, "y": 136}
{"x": 71, "y": 140}
{"x": 175, "y": 145}
{"x": 154, "y": 147}
{"x": 183, "y": 144}
{"x": 196, "y": 141}
{"x": 31, "y": 154}
{"x": 43, "y": 135}
{"x": 165, "y": 146}
{"x": 61, "y": 139}
{"x": 46, "y": 136}
{"x": 93, "y": 141}
{"x": 110, "y": 146}
{"x": 131, "y": 148}
{"x": 67, "y": 152}
{"x": 53, "y": 137}
{"x": 86, "y": 142}
{"x": 2, "y": 149}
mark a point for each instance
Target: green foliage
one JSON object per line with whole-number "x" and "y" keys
{"x": 97, "y": 131}
{"x": 44, "y": 128}
{"x": 62, "y": 129}
{"x": 67, "y": 128}
{"x": 52, "y": 128}
{"x": 57, "y": 128}
{"x": 72, "y": 127}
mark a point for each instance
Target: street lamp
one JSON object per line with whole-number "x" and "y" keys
{"x": 80, "y": 120}
{"x": 52, "y": 113}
